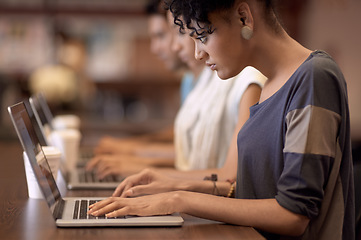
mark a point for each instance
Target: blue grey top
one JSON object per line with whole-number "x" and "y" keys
{"x": 296, "y": 148}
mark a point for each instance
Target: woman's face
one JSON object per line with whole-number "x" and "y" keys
{"x": 183, "y": 45}
{"x": 224, "y": 50}
{"x": 161, "y": 37}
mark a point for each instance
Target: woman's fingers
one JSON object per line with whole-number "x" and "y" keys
{"x": 106, "y": 172}
{"x": 119, "y": 212}
{"x": 139, "y": 184}
{"x": 127, "y": 193}
{"x": 111, "y": 207}
{"x": 102, "y": 168}
{"x": 138, "y": 191}
{"x": 92, "y": 163}
{"x": 122, "y": 189}
{"x": 119, "y": 190}
{"x": 104, "y": 207}
{"x": 126, "y": 184}
{"x": 157, "y": 204}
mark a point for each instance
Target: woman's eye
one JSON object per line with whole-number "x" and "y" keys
{"x": 202, "y": 39}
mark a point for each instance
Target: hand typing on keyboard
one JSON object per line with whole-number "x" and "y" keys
{"x": 157, "y": 204}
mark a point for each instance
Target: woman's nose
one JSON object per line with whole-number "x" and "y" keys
{"x": 175, "y": 45}
{"x": 199, "y": 54}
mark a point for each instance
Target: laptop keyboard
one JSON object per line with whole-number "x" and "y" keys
{"x": 86, "y": 155}
{"x": 81, "y": 208}
{"x": 91, "y": 177}
{"x": 84, "y": 158}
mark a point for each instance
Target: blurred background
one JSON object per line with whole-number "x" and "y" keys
{"x": 93, "y": 59}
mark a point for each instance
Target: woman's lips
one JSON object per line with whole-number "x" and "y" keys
{"x": 211, "y": 66}
{"x": 184, "y": 59}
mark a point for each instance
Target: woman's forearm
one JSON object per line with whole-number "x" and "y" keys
{"x": 209, "y": 187}
{"x": 264, "y": 214}
{"x": 190, "y": 175}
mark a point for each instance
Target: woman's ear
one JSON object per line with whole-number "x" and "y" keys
{"x": 244, "y": 14}
{"x": 245, "y": 19}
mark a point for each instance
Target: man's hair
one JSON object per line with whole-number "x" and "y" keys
{"x": 197, "y": 11}
{"x": 156, "y": 7}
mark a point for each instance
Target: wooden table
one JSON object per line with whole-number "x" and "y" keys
{"x": 23, "y": 218}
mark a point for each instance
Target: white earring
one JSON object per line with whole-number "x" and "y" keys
{"x": 247, "y": 32}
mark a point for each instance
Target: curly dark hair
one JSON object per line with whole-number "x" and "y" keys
{"x": 198, "y": 11}
{"x": 156, "y": 7}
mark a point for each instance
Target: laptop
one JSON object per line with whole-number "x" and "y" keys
{"x": 77, "y": 178}
{"x": 45, "y": 118}
{"x": 70, "y": 212}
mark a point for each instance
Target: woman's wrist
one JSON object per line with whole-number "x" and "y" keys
{"x": 208, "y": 187}
{"x": 184, "y": 185}
{"x": 178, "y": 200}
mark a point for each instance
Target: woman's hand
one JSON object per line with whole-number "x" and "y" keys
{"x": 119, "y": 164}
{"x": 115, "y": 145}
{"x": 159, "y": 204}
{"x": 146, "y": 182}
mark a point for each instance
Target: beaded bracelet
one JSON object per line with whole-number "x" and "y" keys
{"x": 231, "y": 193}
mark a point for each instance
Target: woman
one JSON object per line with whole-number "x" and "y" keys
{"x": 294, "y": 153}
{"x": 212, "y": 113}
{"x": 205, "y": 126}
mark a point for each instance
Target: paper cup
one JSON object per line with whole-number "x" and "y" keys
{"x": 66, "y": 121}
{"x": 53, "y": 155}
{"x": 67, "y": 141}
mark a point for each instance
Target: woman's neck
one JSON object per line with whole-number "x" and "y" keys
{"x": 277, "y": 54}
{"x": 278, "y": 57}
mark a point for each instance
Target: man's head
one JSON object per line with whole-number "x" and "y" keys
{"x": 161, "y": 36}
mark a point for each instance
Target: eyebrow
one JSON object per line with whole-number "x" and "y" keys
{"x": 191, "y": 34}
{"x": 195, "y": 31}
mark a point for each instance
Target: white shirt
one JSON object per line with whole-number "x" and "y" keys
{"x": 205, "y": 124}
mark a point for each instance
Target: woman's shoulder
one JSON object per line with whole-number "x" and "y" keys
{"x": 250, "y": 75}
{"x": 322, "y": 63}
{"x": 318, "y": 69}
{"x": 319, "y": 80}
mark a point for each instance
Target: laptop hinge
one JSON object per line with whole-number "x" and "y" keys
{"x": 58, "y": 210}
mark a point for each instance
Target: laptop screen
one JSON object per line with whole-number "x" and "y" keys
{"x": 41, "y": 107}
{"x": 36, "y": 124}
{"x": 32, "y": 147}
